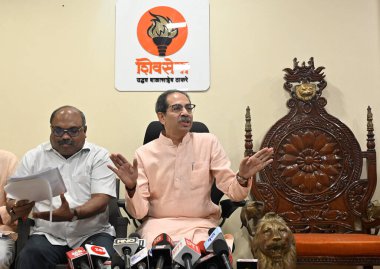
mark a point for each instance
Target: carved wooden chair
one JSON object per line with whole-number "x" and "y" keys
{"x": 315, "y": 182}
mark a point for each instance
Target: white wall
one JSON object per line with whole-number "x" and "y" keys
{"x": 57, "y": 52}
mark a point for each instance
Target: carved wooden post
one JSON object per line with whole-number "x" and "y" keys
{"x": 370, "y": 134}
{"x": 248, "y": 135}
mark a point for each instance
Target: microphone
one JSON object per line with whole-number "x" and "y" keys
{"x": 140, "y": 260}
{"x": 209, "y": 261}
{"x": 246, "y": 264}
{"x": 201, "y": 246}
{"x": 77, "y": 258}
{"x": 162, "y": 251}
{"x": 221, "y": 250}
{"x": 127, "y": 247}
{"x": 186, "y": 253}
{"x": 98, "y": 255}
{"x": 116, "y": 261}
{"x": 216, "y": 233}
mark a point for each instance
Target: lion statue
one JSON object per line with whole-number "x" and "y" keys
{"x": 250, "y": 214}
{"x": 274, "y": 244}
{"x": 373, "y": 210}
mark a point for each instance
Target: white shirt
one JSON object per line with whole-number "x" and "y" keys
{"x": 84, "y": 173}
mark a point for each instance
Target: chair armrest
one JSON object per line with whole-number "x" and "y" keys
{"x": 23, "y": 230}
{"x": 121, "y": 204}
{"x": 121, "y": 227}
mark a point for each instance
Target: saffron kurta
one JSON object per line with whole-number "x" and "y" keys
{"x": 174, "y": 185}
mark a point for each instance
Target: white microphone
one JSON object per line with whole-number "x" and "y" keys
{"x": 140, "y": 260}
{"x": 98, "y": 255}
{"x": 215, "y": 235}
{"x": 186, "y": 253}
{"x": 77, "y": 258}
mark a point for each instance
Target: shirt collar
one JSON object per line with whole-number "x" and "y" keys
{"x": 48, "y": 147}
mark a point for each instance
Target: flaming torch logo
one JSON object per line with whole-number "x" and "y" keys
{"x": 162, "y": 33}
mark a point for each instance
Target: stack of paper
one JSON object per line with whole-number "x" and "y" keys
{"x": 38, "y": 187}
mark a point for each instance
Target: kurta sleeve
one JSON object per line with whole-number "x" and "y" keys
{"x": 138, "y": 205}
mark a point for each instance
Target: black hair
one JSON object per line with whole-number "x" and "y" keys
{"x": 162, "y": 104}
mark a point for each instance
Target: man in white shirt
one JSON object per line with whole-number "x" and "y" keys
{"x": 80, "y": 215}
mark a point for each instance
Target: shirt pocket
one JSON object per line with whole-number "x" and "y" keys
{"x": 200, "y": 175}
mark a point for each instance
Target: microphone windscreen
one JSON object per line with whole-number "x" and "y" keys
{"x": 220, "y": 247}
{"x": 77, "y": 258}
{"x": 163, "y": 239}
{"x": 137, "y": 235}
{"x": 211, "y": 230}
{"x": 201, "y": 246}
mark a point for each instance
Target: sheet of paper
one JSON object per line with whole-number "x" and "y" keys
{"x": 34, "y": 187}
{"x": 37, "y": 187}
{"x": 31, "y": 189}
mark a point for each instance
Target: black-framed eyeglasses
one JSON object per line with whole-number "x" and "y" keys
{"x": 177, "y": 108}
{"x": 73, "y": 131}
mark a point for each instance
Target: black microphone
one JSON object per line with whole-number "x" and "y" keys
{"x": 209, "y": 261}
{"x": 98, "y": 255}
{"x": 221, "y": 250}
{"x": 126, "y": 247}
{"x": 78, "y": 259}
{"x": 116, "y": 261}
{"x": 162, "y": 251}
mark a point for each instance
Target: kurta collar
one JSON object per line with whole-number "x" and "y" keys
{"x": 167, "y": 141}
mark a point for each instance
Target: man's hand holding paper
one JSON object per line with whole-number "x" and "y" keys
{"x": 19, "y": 209}
{"x": 63, "y": 213}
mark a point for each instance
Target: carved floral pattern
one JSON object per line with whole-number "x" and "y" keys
{"x": 310, "y": 161}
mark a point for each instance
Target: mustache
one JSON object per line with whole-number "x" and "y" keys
{"x": 184, "y": 119}
{"x": 65, "y": 142}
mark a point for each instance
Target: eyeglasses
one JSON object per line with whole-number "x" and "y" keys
{"x": 177, "y": 108}
{"x": 73, "y": 131}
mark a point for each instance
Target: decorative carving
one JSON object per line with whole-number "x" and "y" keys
{"x": 305, "y": 91}
{"x": 248, "y": 135}
{"x": 314, "y": 182}
{"x": 310, "y": 161}
{"x": 305, "y": 74}
{"x": 370, "y": 134}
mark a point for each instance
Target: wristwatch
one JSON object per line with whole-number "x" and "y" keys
{"x": 75, "y": 214}
{"x": 242, "y": 180}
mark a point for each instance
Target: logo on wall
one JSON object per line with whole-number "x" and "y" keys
{"x": 162, "y": 31}
{"x": 162, "y": 45}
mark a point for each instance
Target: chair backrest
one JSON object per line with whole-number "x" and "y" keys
{"x": 155, "y": 127}
{"x": 315, "y": 181}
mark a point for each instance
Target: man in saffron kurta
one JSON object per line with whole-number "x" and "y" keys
{"x": 8, "y": 162}
{"x": 168, "y": 185}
